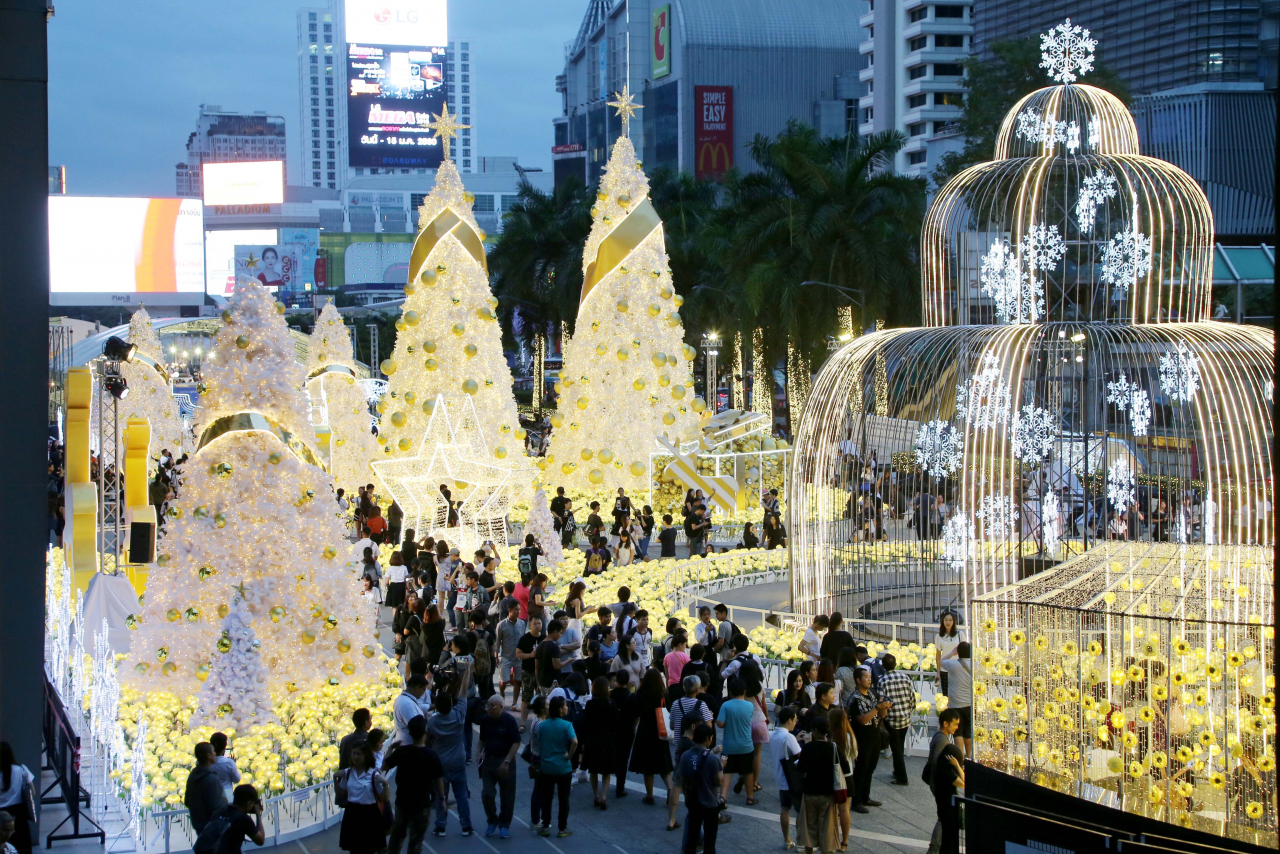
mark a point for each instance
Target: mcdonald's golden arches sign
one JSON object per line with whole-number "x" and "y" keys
{"x": 713, "y": 131}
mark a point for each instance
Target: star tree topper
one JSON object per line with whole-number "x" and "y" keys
{"x": 446, "y": 129}
{"x": 626, "y": 107}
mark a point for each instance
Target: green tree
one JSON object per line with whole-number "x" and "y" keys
{"x": 993, "y": 84}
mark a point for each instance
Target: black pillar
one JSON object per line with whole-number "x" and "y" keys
{"x": 24, "y": 347}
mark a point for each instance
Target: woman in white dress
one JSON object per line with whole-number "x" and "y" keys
{"x": 947, "y": 643}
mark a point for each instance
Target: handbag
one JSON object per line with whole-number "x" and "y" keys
{"x": 534, "y": 762}
{"x": 340, "y": 789}
{"x": 27, "y": 798}
{"x": 837, "y": 775}
{"x": 663, "y": 720}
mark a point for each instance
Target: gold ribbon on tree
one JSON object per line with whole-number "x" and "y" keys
{"x": 331, "y": 369}
{"x": 614, "y": 249}
{"x": 446, "y": 222}
{"x": 259, "y": 423}
{"x": 159, "y": 369}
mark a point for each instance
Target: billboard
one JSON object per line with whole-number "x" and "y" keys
{"x": 220, "y": 255}
{"x": 392, "y": 93}
{"x": 418, "y": 23}
{"x": 256, "y": 183}
{"x": 661, "y": 41}
{"x": 712, "y": 131}
{"x": 120, "y": 251}
{"x": 276, "y": 266}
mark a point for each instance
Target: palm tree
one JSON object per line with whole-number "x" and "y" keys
{"x": 536, "y": 266}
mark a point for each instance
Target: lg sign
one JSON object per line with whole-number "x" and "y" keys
{"x": 384, "y": 15}
{"x": 410, "y": 23}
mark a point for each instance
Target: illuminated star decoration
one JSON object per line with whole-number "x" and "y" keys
{"x": 626, "y": 107}
{"x": 251, "y": 263}
{"x": 446, "y": 129}
{"x": 453, "y": 452}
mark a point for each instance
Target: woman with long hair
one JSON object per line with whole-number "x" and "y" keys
{"x": 600, "y": 724}
{"x": 397, "y": 574}
{"x": 364, "y": 826}
{"x": 575, "y": 606}
{"x": 433, "y": 633}
{"x": 847, "y": 663}
{"x": 750, "y": 539}
{"x": 628, "y": 659}
{"x": 841, "y": 735}
{"x": 946, "y": 643}
{"x": 625, "y": 551}
{"x": 537, "y": 600}
{"x": 13, "y": 777}
{"x": 794, "y": 695}
{"x": 650, "y": 755}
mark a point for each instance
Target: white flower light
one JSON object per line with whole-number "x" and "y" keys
{"x": 999, "y": 516}
{"x": 985, "y": 399}
{"x": 1126, "y": 258}
{"x": 1034, "y": 432}
{"x": 939, "y": 448}
{"x": 1180, "y": 373}
{"x": 1120, "y": 483}
{"x": 1043, "y": 246}
{"x": 1066, "y": 51}
{"x": 1093, "y": 191}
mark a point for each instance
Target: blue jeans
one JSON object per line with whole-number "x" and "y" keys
{"x": 453, "y": 614}
{"x": 458, "y": 780}
{"x": 643, "y": 548}
{"x": 696, "y": 545}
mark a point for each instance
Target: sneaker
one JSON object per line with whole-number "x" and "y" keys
{"x": 490, "y": 831}
{"x": 439, "y": 831}
{"x": 466, "y": 831}
{"x": 562, "y": 834}
{"x": 504, "y": 833}
{"x": 544, "y": 831}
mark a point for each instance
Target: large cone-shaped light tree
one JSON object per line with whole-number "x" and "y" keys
{"x": 626, "y": 376}
{"x": 256, "y": 521}
{"x": 149, "y": 397}
{"x": 338, "y": 402}
{"x": 448, "y": 339}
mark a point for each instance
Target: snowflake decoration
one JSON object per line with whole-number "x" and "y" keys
{"x": 1095, "y": 133}
{"x": 1047, "y": 131}
{"x": 1269, "y": 389}
{"x": 1042, "y": 246}
{"x": 1126, "y": 258}
{"x": 1051, "y": 523}
{"x": 1180, "y": 374}
{"x": 1018, "y": 299}
{"x": 1140, "y": 412}
{"x": 1073, "y": 137}
{"x": 1093, "y": 191}
{"x": 957, "y": 541}
{"x": 999, "y": 516}
{"x": 1120, "y": 391}
{"x": 938, "y": 448}
{"x": 1066, "y": 51}
{"x": 1120, "y": 484}
{"x": 1034, "y": 432}
{"x": 984, "y": 399}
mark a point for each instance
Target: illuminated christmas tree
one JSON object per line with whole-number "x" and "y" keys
{"x": 449, "y": 341}
{"x": 626, "y": 375}
{"x": 338, "y": 402}
{"x": 542, "y": 525}
{"x": 255, "y": 521}
{"x": 235, "y": 693}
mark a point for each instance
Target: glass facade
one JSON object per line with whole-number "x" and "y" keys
{"x": 662, "y": 127}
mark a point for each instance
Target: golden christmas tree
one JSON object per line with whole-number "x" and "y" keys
{"x": 626, "y": 376}
{"x": 448, "y": 339}
{"x": 338, "y": 402}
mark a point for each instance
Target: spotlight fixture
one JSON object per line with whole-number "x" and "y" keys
{"x": 118, "y": 386}
{"x": 118, "y": 350}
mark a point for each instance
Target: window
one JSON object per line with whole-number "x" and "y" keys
{"x": 466, "y": 78}
{"x": 918, "y": 72}
{"x": 916, "y": 129}
{"x": 466, "y": 99}
{"x": 466, "y": 152}
{"x": 315, "y": 143}
{"x": 332, "y": 186}
{"x": 948, "y": 99}
{"x": 315, "y": 102}
{"x": 315, "y": 176}
{"x": 918, "y": 43}
{"x": 328, "y": 102}
{"x": 948, "y": 12}
{"x": 328, "y": 123}
{"x": 315, "y": 90}
{"x": 871, "y": 32}
{"x": 315, "y": 80}
{"x": 509, "y": 201}
{"x": 871, "y": 60}
{"x": 328, "y": 90}
{"x": 329, "y": 113}
{"x": 331, "y": 143}
{"x": 466, "y": 88}
{"x": 328, "y": 39}
{"x": 315, "y": 123}
{"x": 311, "y": 28}
{"x": 328, "y": 28}
{"x": 330, "y": 176}
{"x": 943, "y": 40}
{"x": 311, "y": 16}
{"x": 466, "y": 131}
{"x": 466, "y": 67}
{"x": 948, "y": 69}
{"x": 315, "y": 112}
{"x": 466, "y": 164}
{"x": 329, "y": 133}
{"x": 868, "y": 114}
{"x": 917, "y": 101}
{"x": 916, "y": 15}
{"x": 315, "y": 60}
{"x": 917, "y": 158}
{"x": 315, "y": 134}
{"x": 314, "y": 38}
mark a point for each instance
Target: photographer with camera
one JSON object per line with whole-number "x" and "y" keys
{"x": 228, "y": 828}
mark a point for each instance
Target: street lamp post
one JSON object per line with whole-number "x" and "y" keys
{"x": 711, "y": 349}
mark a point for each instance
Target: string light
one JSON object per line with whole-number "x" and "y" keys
{"x": 338, "y": 402}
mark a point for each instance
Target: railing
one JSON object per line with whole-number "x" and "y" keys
{"x": 285, "y": 817}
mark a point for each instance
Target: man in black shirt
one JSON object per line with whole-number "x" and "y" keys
{"x": 527, "y": 560}
{"x": 362, "y": 719}
{"x": 526, "y": 653}
{"x": 817, "y": 759}
{"x": 231, "y": 825}
{"x": 667, "y": 537}
{"x": 203, "y": 796}
{"x": 499, "y": 741}
{"x": 419, "y": 780}
{"x": 594, "y": 523}
{"x": 835, "y": 640}
{"x": 557, "y": 507}
{"x": 549, "y": 661}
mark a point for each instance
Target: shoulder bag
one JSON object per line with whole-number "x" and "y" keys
{"x": 663, "y": 719}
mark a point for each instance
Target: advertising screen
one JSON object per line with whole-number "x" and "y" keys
{"x": 407, "y": 22}
{"x": 112, "y": 251}
{"x": 392, "y": 93}
{"x": 220, "y": 255}
{"x": 660, "y": 65}
{"x": 256, "y": 183}
{"x": 712, "y": 131}
{"x": 277, "y": 266}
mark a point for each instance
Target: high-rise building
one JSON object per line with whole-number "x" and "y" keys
{"x": 913, "y": 75}
{"x": 710, "y": 75}
{"x": 322, "y": 97}
{"x": 459, "y": 72}
{"x": 222, "y": 137}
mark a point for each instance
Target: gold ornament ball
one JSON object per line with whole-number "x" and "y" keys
{"x": 567, "y": 468}
{"x": 623, "y": 353}
{"x": 689, "y": 353}
{"x": 411, "y": 318}
{"x": 624, "y": 200}
{"x": 470, "y": 386}
{"x": 556, "y": 419}
{"x": 173, "y": 615}
{"x": 202, "y": 672}
{"x": 659, "y": 359}
{"x": 132, "y": 622}
{"x": 638, "y": 385}
{"x": 654, "y": 309}
{"x": 601, "y": 349}
{"x": 400, "y": 325}
{"x": 699, "y": 404}
{"x": 500, "y": 453}
{"x": 429, "y": 406}
{"x": 142, "y": 667}
{"x": 369, "y": 651}
{"x": 669, "y": 419}
{"x": 205, "y": 571}
{"x": 484, "y": 313}
{"x": 430, "y": 365}
{"x": 441, "y": 268}
{"x": 459, "y": 329}
{"x": 596, "y": 476}
{"x": 279, "y": 307}
{"x": 344, "y": 645}
{"x": 275, "y": 457}
{"x": 679, "y": 300}
{"x": 223, "y": 610}
{"x": 583, "y": 402}
{"x": 664, "y": 380}
{"x": 673, "y": 319}
{"x": 404, "y": 444}
{"x": 666, "y": 292}
{"x": 470, "y": 350}
{"x": 677, "y": 391}
{"x": 348, "y": 668}
{"x": 242, "y": 341}
{"x": 410, "y": 289}
{"x": 224, "y": 710}
{"x": 388, "y": 366}
{"x": 622, "y": 306}
{"x": 380, "y": 407}
{"x": 586, "y": 454}
{"x": 220, "y": 520}
{"x": 192, "y": 614}
{"x": 330, "y": 552}
{"x": 309, "y": 636}
{"x": 606, "y": 456}
{"x": 521, "y": 433}
{"x": 672, "y": 360}
{"x": 428, "y": 277}
{"x": 226, "y": 315}
{"x": 169, "y": 668}
{"x": 162, "y": 653}
{"x": 410, "y": 398}
{"x": 224, "y": 643}
{"x": 277, "y": 613}
{"x": 398, "y": 419}
{"x": 637, "y": 469}
{"x": 428, "y": 345}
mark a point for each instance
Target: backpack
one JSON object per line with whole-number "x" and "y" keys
{"x": 483, "y": 657}
{"x": 595, "y": 563}
{"x": 209, "y": 838}
{"x": 734, "y": 633}
{"x": 525, "y": 564}
{"x": 750, "y": 673}
{"x": 572, "y": 709}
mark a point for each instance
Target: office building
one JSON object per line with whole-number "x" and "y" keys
{"x": 222, "y": 137}
{"x": 459, "y": 72}
{"x": 322, "y": 97}
{"x": 913, "y": 77}
{"x": 710, "y": 74}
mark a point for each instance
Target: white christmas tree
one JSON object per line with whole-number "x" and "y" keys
{"x": 149, "y": 397}
{"x": 542, "y": 525}
{"x": 338, "y": 402}
{"x": 449, "y": 341}
{"x": 256, "y": 520}
{"x": 235, "y": 690}
{"x": 626, "y": 375}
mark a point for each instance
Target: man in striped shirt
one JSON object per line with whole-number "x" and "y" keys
{"x": 896, "y": 685}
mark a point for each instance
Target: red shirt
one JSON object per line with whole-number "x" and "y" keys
{"x": 674, "y": 663}
{"x": 521, "y": 595}
{"x": 376, "y": 524}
